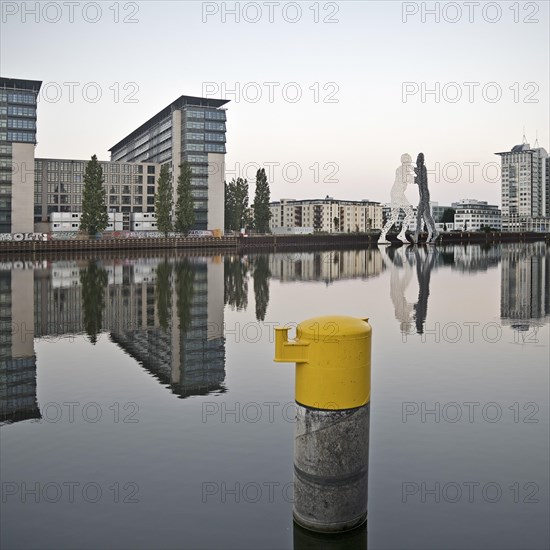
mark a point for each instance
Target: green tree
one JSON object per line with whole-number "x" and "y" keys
{"x": 163, "y": 293}
{"x": 336, "y": 222}
{"x": 262, "y": 214}
{"x": 229, "y": 206}
{"x": 164, "y": 201}
{"x": 185, "y": 215}
{"x": 261, "y": 276}
{"x": 93, "y": 281}
{"x": 94, "y": 217}
{"x": 236, "y": 204}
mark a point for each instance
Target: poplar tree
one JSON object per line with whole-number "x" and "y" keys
{"x": 164, "y": 201}
{"x": 94, "y": 217}
{"x": 262, "y": 214}
{"x": 185, "y": 215}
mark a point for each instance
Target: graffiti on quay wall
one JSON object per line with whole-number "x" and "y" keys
{"x": 23, "y": 237}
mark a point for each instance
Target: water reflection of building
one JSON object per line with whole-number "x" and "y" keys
{"x": 325, "y": 266}
{"x": 17, "y": 359}
{"x": 525, "y": 285}
{"x": 471, "y": 258}
{"x": 190, "y": 358}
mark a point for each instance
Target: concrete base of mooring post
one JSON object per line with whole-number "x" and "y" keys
{"x": 331, "y": 452}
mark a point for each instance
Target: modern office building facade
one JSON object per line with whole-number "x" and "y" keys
{"x": 58, "y": 185}
{"x": 17, "y": 144}
{"x": 190, "y": 129}
{"x": 525, "y": 189}
{"x": 473, "y": 215}
{"x": 326, "y": 214}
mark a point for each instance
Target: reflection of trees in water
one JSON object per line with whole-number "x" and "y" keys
{"x": 163, "y": 293}
{"x": 93, "y": 280}
{"x": 185, "y": 279}
{"x": 261, "y": 276}
{"x": 235, "y": 282}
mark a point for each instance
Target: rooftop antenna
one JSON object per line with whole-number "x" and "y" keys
{"x": 537, "y": 141}
{"x": 524, "y": 138}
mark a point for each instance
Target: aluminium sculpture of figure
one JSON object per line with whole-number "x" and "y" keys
{"x": 424, "y": 212}
{"x": 403, "y": 176}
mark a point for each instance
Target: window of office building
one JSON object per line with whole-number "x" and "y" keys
{"x": 150, "y": 169}
{"x": 194, "y": 113}
{"x": 199, "y": 147}
{"x": 220, "y": 126}
{"x": 215, "y": 115}
{"x": 214, "y": 137}
{"x": 194, "y": 136}
{"x": 214, "y": 148}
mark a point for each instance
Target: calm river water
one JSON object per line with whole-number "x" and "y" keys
{"x": 141, "y": 407}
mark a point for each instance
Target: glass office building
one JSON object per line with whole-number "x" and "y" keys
{"x": 190, "y": 129}
{"x": 17, "y": 143}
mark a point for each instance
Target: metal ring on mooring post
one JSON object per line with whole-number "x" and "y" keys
{"x": 331, "y": 443}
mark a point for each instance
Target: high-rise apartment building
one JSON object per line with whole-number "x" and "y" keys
{"x": 190, "y": 129}
{"x": 525, "y": 189}
{"x": 17, "y": 144}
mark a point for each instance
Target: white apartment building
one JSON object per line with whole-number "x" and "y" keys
{"x": 328, "y": 214}
{"x": 525, "y": 189}
{"x": 472, "y": 215}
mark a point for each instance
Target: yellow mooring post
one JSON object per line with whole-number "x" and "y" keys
{"x": 331, "y": 437}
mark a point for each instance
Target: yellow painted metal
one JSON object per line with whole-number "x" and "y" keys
{"x": 333, "y": 356}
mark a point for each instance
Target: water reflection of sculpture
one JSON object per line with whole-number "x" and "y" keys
{"x": 400, "y": 266}
{"x": 400, "y": 263}
{"x": 424, "y": 268}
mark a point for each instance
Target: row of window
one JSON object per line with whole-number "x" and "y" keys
{"x": 197, "y": 158}
{"x": 21, "y": 123}
{"x": 107, "y": 167}
{"x": 77, "y": 199}
{"x": 19, "y": 111}
{"x": 205, "y": 147}
{"x": 217, "y": 126}
{"x": 18, "y": 97}
{"x": 17, "y": 136}
{"x": 208, "y": 115}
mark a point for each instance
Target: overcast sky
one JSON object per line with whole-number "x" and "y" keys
{"x": 361, "y": 69}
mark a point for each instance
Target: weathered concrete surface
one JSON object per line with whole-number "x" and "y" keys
{"x": 331, "y": 451}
